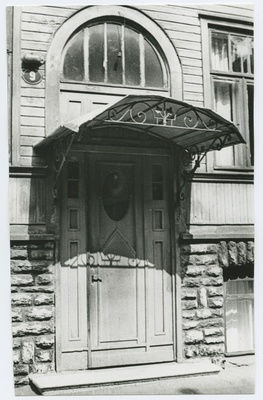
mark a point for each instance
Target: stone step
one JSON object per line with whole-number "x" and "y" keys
{"x": 64, "y": 383}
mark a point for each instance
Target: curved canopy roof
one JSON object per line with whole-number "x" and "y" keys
{"x": 194, "y": 129}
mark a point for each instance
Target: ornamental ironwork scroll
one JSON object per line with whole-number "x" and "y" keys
{"x": 162, "y": 113}
{"x": 60, "y": 151}
{"x": 191, "y": 158}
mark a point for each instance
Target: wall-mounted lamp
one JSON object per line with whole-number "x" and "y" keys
{"x": 30, "y": 65}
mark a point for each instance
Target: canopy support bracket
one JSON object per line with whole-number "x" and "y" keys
{"x": 60, "y": 153}
{"x": 193, "y": 156}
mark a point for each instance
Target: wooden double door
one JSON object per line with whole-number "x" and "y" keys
{"x": 116, "y": 280}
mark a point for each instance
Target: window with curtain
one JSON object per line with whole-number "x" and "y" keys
{"x": 115, "y": 54}
{"x": 232, "y": 73}
{"x": 239, "y": 310}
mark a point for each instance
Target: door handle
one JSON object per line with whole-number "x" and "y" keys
{"x": 95, "y": 278}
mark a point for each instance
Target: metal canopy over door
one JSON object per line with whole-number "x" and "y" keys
{"x": 130, "y": 279}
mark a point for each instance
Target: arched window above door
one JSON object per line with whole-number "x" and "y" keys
{"x": 114, "y": 53}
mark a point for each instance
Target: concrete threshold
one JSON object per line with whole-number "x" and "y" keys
{"x": 74, "y": 381}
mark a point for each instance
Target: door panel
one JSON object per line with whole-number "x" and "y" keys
{"x": 130, "y": 262}
{"x": 116, "y": 274}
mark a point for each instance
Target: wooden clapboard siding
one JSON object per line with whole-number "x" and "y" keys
{"x": 28, "y": 131}
{"x": 26, "y": 201}
{"x": 221, "y": 203}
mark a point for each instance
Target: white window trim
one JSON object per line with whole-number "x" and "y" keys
{"x": 206, "y": 23}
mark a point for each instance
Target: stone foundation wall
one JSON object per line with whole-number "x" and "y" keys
{"x": 32, "y": 300}
{"x": 203, "y": 295}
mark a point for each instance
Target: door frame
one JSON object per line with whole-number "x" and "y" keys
{"x": 173, "y": 211}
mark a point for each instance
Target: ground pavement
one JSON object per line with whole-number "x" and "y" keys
{"x": 237, "y": 377}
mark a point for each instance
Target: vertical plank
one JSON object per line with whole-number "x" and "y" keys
{"x": 16, "y": 72}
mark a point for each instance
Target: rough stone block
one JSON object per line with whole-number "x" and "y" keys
{"x": 189, "y": 294}
{"x": 28, "y": 352}
{"x": 223, "y": 254}
{"x": 44, "y": 299}
{"x": 192, "y": 337}
{"x": 203, "y": 313}
{"x": 194, "y": 270}
{"x": 214, "y": 270}
{"x": 215, "y": 291}
{"x": 189, "y": 304}
{"x": 214, "y": 339}
{"x": 44, "y": 279}
{"x": 21, "y": 280}
{"x": 37, "y": 289}
{"x": 18, "y": 254}
{"x": 241, "y": 253}
{"x": 21, "y": 299}
{"x": 20, "y": 266}
{"x": 16, "y": 343}
{"x": 16, "y": 356}
{"x": 188, "y": 314}
{"x": 39, "y": 314}
{"x": 213, "y": 331}
{"x": 43, "y": 368}
{"x": 190, "y": 325}
{"x": 21, "y": 380}
{"x": 250, "y": 252}
{"x": 212, "y": 281}
{"x": 39, "y": 254}
{"x": 215, "y": 302}
{"x": 35, "y": 246}
{"x": 202, "y": 298}
{"x": 217, "y": 312}
{"x": 191, "y": 351}
{"x": 43, "y": 355}
{"x": 194, "y": 259}
{"x": 232, "y": 252}
{"x": 45, "y": 342}
{"x": 21, "y": 370}
{"x": 17, "y": 315}
{"x": 199, "y": 248}
{"x": 212, "y": 323}
{"x": 211, "y": 350}
{"x": 40, "y": 328}
{"x": 191, "y": 282}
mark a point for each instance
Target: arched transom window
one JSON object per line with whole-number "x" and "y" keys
{"x": 114, "y": 53}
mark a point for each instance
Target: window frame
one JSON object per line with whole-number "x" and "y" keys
{"x": 143, "y": 36}
{"x": 242, "y": 155}
{"x": 248, "y": 296}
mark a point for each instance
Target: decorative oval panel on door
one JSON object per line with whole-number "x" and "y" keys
{"x": 116, "y": 195}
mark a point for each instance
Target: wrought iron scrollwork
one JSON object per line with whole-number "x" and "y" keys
{"x": 60, "y": 152}
{"x": 191, "y": 158}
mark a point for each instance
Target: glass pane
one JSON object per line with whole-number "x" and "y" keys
{"x": 114, "y": 53}
{"x": 73, "y": 67}
{"x": 250, "y": 93}
{"x": 132, "y": 57}
{"x": 223, "y": 105}
{"x": 116, "y": 195}
{"x": 240, "y": 52}
{"x": 73, "y": 180}
{"x": 240, "y": 287}
{"x": 157, "y": 182}
{"x": 96, "y": 53}
{"x": 153, "y": 68}
{"x": 73, "y": 219}
{"x": 239, "y": 325}
{"x": 73, "y": 170}
{"x": 251, "y": 50}
{"x": 220, "y": 51}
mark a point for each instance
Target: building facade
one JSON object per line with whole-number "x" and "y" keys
{"x": 116, "y": 259}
